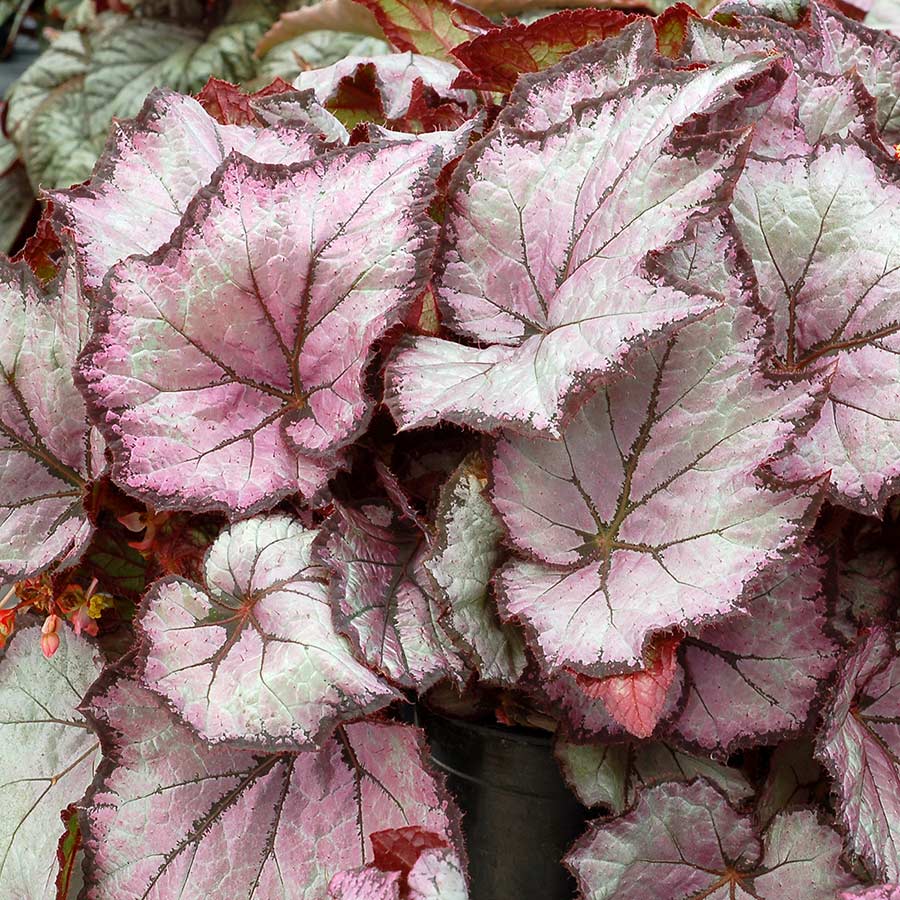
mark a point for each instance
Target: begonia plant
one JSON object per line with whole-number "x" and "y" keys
{"x": 544, "y": 374}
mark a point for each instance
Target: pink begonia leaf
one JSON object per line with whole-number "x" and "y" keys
{"x": 812, "y": 105}
{"x": 383, "y": 598}
{"x": 860, "y": 747}
{"x": 755, "y": 677}
{"x": 874, "y": 54}
{"x": 620, "y": 552}
{"x": 301, "y": 107}
{"x": 397, "y": 849}
{"x": 48, "y": 756}
{"x": 636, "y": 700}
{"x": 882, "y": 892}
{"x": 367, "y": 883}
{"x": 821, "y": 231}
{"x": 228, "y": 368}
{"x": 611, "y": 775}
{"x": 48, "y": 451}
{"x": 254, "y": 657}
{"x": 169, "y": 814}
{"x": 463, "y": 558}
{"x": 395, "y": 77}
{"x": 546, "y": 98}
{"x": 151, "y": 169}
{"x": 436, "y": 875}
{"x": 686, "y": 841}
{"x": 555, "y": 308}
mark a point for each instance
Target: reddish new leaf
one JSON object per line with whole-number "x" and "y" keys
{"x": 48, "y": 451}
{"x": 229, "y": 105}
{"x": 429, "y": 27}
{"x": 686, "y": 842}
{"x": 636, "y": 700}
{"x": 554, "y": 309}
{"x": 258, "y": 319}
{"x": 498, "y": 57}
{"x": 254, "y": 656}
{"x": 860, "y": 747}
{"x": 169, "y": 814}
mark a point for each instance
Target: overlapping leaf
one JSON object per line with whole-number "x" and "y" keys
{"x": 860, "y": 746}
{"x": 384, "y": 599}
{"x": 820, "y": 228}
{"x": 611, "y": 775}
{"x": 547, "y": 98}
{"x": 48, "y": 754}
{"x": 753, "y": 677}
{"x": 395, "y": 78}
{"x": 686, "y": 841}
{"x": 618, "y": 553}
{"x": 169, "y": 814}
{"x": 462, "y": 562}
{"x": 151, "y": 169}
{"x": 257, "y": 320}
{"x": 498, "y": 57}
{"x": 558, "y": 307}
{"x": 254, "y": 657}
{"x": 48, "y": 451}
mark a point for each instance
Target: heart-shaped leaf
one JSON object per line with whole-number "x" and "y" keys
{"x": 315, "y": 261}
{"x": 254, "y": 657}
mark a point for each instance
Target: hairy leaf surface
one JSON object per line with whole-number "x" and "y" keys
{"x": 257, "y": 320}
{"x": 555, "y": 308}
{"x": 254, "y": 657}
{"x": 48, "y": 451}
{"x": 48, "y": 754}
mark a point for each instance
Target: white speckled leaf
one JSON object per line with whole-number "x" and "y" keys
{"x": 48, "y": 756}
{"x": 169, "y": 814}
{"x": 618, "y": 552}
{"x": 151, "y": 169}
{"x": 48, "y": 451}
{"x": 254, "y": 657}
{"x": 547, "y": 263}
{"x": 462, "y": 562}
{"x": 821, "y": 230}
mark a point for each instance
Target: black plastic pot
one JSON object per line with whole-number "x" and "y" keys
{"x": 519, "y": 817}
